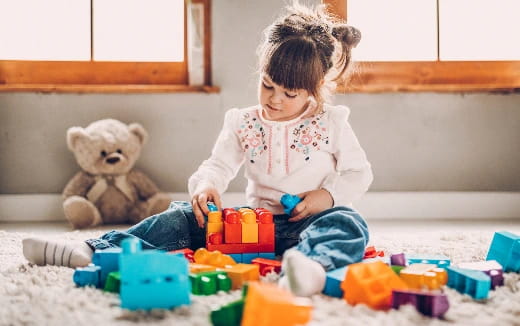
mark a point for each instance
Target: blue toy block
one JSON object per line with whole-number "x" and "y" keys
{"x": 247, "y": 257}
{"x": 505, "y": 248}
{"x": 267, "y": 255}
{"x": 474, "y": 283}
{"x": 152, "y": 278}
{"x": 212, "y": 207}
{"x": 236, "y": 257}
{"x": 89, "y": 275}
{"x": 439, "y": 260}
{"x": 289, "y": 202}
{"x": 333, "y": 282}
{"x": 108, "y": 260}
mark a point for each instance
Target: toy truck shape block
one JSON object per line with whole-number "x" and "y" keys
{"x": 474, "y": 283}
{"x": 424, "y": 276}
{"x": 427, "y": 303}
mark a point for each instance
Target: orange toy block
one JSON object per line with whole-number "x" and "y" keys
{"x": 424, "y": 276}
{"x": 213, "y": 258}
{"x": 249, "y": 226}
{"x": 199, "y": 268}
{"x": 241, "y": 248}
{"x": 241, "y": 273}
{"x": 371, "y": 284}
{"x": 232, "y": 232}
{"x": 269, "y": 305}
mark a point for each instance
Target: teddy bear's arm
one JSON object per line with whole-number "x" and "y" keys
{"x": 145, "y": 187}
{"x": 79, "y": 185}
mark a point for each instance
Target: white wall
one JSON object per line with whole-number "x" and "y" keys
{"x": 415, "y": 141}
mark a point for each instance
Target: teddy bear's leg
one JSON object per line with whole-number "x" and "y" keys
{"x": 81, "y": 213}
{"x": 158, "y": 203}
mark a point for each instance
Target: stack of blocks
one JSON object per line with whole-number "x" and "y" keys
{"x": 244, "y": 234}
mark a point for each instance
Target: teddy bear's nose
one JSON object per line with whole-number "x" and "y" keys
{"x": 112, "y": 160}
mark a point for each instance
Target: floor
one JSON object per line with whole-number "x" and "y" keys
{"x": 376, "y": 225}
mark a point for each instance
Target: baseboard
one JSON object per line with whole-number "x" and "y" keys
{"x": 373, "y": 205}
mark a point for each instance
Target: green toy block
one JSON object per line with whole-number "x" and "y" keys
{"x": 397, "y": 269}
{"x": 228, "y": 315}
{"x": 208, "y": 283}
{"x": 113, "y": 282}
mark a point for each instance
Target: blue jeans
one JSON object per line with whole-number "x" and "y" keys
{"x": 335, "y": 237}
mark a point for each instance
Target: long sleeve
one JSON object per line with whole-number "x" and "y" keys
{"x": 226, "y": 158}
{"x": 353, "y": 174}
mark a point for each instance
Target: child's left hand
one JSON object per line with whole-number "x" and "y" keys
{"x": 313, "y": 202}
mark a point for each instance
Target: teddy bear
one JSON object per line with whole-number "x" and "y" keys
{"x": 108, "y": 190}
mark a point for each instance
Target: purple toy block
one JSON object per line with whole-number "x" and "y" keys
{"x": 398, "y": 260}
{"x": 490, "y": 267}
{"x": 427, "y": 303}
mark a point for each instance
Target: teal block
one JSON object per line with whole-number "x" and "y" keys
{"x": 89, "y": 275}
{"x": 439, "y": 260}
{"x": 505, "y": 249}
{"x": 248, "y": 257}
{"x": 474, "y": 283}
{"x": 236, "y": 257}
{"x": 108, "y": 260}
{"x": 152, "y": 278}
{"x": 267, "y": 255}
{"x": 333, "y": 282}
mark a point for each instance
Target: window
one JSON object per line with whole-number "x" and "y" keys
{"x": 441, "y": 52}
{"x": 105, "y": 45}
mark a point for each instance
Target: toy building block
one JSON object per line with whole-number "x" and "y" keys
{"x": 241, "y": 273}
{"x": 232, "y": 226}
{"x": 235, "y": 248}
{"x": 265, "y": 226}
{"x": 228, "y": 315}
{"x": 333, "y": 282}
{"x": 427, "y": 303}
{"x": 187, "y": 252}
{"x": 424, "y": 276}
{"x": 288, "y": 202}
{"x": 371, "y": 252}
{"x": 371, "y": 284}
{"x": 267, "y": 255}
{"x": 212, "y": 207}
{"x": 491, "y": 267}
{"x": 213, "y": 258}
{"x": 249, "y": 226}
{"x": 267, "y": 265}
{"x": 113, "y": 282}
{"x": 268, "y": 305}
{"x": 474, "y": 283}
{"x": 439, "y": 260}
{"x": 505, "y": 249}
{"x": 397, "y": 269}
{"x": 208, "y": 283}
{"x": 215, "y": 224}
{"x": 88, "y": 275}
{"x": 200, "y": 268}
{"x": 108, "y": 260}
{"x": 151, "y": 278}
{"x": 247, "y": 258}
{"x": 398, "y": 260}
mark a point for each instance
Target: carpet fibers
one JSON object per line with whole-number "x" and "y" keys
{"x": 34, "y": 295}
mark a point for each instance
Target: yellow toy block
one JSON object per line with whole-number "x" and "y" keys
{"x": 215, "y": 217}
{"x": 269, "y": 305}
{"x": 249, "y": 227}
{"x": 199, "y": 268}
{"x": 241, "y": 273}
{"x": 424, "y": 276}
{"x": 215, "y": 224}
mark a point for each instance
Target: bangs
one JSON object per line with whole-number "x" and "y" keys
{"x": 294, "y": 64}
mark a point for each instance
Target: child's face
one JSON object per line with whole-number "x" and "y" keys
{"x": 280, "y": 104}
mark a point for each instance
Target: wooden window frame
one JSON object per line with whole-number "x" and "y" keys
{"x": 110, "y": 77}
{"x": 428, "y": 76}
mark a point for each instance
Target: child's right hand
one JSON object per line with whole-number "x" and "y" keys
{"x": 199, "y": 203}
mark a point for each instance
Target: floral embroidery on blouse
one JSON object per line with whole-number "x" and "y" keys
{"x": 309, "y": 135}
{"x": 252, "y": 136}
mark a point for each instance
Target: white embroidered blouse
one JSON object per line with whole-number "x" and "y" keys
{"x": 303, "y": 154}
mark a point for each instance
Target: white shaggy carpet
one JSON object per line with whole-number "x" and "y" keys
{"x": 32, "y": 295}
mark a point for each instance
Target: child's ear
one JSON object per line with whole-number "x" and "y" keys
{"x": 139, "y": 131}
{"x": 73, "y": 135}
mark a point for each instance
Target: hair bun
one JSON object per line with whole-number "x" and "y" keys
{"x": 347, "y": 34}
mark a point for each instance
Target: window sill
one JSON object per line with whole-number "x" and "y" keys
{"x": 47, "y": 88}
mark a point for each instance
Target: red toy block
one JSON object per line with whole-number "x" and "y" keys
{"x": 267, "y": 265}
{"x": 240, "y": 248}
{"x": 266, "y": 233}
{"x": 371, "y": 252}
{"x": 232, "y": 232}
{"x": 187, "y": 252}
{"x": 265, "y": 217}
{"x": 216, "y": 238}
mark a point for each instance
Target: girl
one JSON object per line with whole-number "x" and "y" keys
{"x": 293, "y": 141}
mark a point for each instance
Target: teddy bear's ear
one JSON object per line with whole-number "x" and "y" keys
{"x": 73, "y": 135}
{"x": 139, "y": 131}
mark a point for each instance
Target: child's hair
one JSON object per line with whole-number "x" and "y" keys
{"x": 307, "y": 49}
